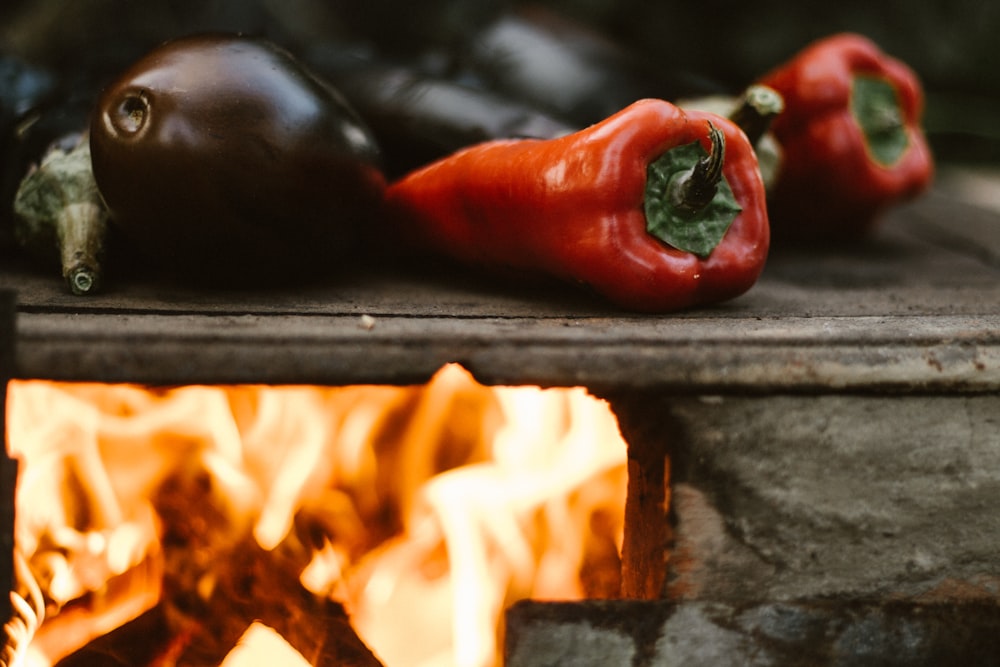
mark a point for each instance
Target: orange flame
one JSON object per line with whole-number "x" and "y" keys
{"x": 440, "y": 505}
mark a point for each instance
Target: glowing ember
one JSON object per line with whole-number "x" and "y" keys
{"x": 424, "y": 511}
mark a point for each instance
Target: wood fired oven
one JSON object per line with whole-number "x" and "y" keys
{"x": 827, "y": 446}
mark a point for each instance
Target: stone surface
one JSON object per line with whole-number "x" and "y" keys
{"x": 713, "y": 634}
{"x": 845, "y": 497}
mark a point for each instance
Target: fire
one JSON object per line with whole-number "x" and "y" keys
{"x": 421, "y": 513}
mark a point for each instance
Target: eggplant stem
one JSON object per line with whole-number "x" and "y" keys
{"x": 82, "y": 281}
{"x": 81, "y": 229}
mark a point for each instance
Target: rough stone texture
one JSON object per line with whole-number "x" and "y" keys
{"x": 845, "y": 497}
{"x": 712, "y": 634}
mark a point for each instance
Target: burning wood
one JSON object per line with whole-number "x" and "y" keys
{"x": 218, "y": 580}
{"x": 404, "y": 519}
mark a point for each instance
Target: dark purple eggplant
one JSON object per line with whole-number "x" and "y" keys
{"x": 568, "y": 69}
{"x": 60, "y": 216}
{"x": 53, "y": 213}
{"x": 223, "y": 157}
{"x": 418, "y": 117}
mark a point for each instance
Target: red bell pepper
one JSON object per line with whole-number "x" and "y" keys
{"x": 851, "y": 139}
{"x": 655, "y": 208}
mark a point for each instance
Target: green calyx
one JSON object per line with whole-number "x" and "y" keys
{"x": 875, "y": 106}
{"x": 688, "y": 203}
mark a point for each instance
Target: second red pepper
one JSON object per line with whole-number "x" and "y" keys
{"x": 851, "y": 139}
{"x": 578, "y": 207}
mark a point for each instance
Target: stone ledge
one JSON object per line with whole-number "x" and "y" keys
{"x": 785, "y": 634}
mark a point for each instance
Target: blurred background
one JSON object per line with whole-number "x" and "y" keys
{"x": 951, "y": 44}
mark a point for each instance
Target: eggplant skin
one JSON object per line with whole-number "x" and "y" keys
{"x": 418, "y": 117}
{"x": 567, "y": 68}
{"x": 223, "y": 157}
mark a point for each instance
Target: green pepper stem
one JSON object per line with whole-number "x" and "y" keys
{"x": 758, "y": 106}
{"x": 694, "y": 189}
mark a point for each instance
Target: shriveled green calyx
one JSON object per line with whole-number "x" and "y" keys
{"x": 688, "y": 202}
{"x": 60, "y": 216}
{"x": 875, "y": 106}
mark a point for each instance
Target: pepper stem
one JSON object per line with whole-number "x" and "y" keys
{"x": 688, "y": 203}
{"x": 758, "y": 106}
{"x": 694, "y": 189}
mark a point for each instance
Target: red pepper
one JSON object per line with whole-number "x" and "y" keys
{"x": 851, "y": 139}
{"x": 577, "y": 207}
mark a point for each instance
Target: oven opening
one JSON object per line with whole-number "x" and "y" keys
{"x": 355, "y": 525}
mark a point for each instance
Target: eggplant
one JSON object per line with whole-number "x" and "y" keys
{"x": 565, "y": 68}
{"x": 52, "y": 212}
{"x": 419, "y": 116}
{"x": 223, "y": 158}
{"x": 61, "y": 217}
{"x": 529, "y": 72}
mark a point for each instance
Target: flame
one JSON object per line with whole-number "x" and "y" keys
{"x": 428, "y": 509}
